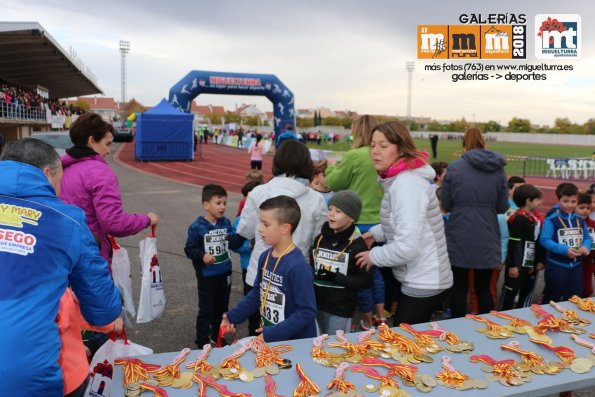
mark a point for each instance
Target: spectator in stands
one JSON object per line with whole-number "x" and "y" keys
{"x": 474, "y": 192}
{"x": 90, "y": 183}
{"x": 23, "y": 102}
{"x": 57, "y": 250}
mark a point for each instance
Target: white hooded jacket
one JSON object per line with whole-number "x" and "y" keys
{"x": 412, "y": 226}
{"x": 312, "y": 206}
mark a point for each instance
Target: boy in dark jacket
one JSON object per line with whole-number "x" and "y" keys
{"x": 566, "y": 239}
{"x": 209, "y": 240}
{"x": 337, "y": 278}
{"x": 283, "y": 292}
{"x": 523, "y": 248}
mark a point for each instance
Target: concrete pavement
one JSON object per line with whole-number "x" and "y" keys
{"x": 177, "y": 205}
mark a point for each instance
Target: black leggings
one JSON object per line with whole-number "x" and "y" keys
{"x": 256, "y": 164}
{"x": 460, "y": 290}
{"x": 413, "y": 310}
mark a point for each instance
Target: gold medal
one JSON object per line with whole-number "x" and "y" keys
{"x": 388, "y": 391}
{"x": 537, "y": 369}
{"x": 423, "y": 388}
{"x": 428, "y": 380}
{"x": 423, "y": 358}
{"x": 479, "y": 384}
{"x": 492, "y": 377}
{"x": 522, "y": 367}
{"x": 272, "y": 369}
{"x": 412, "y": 359}
{"x": 258, "y": 372}
{"x": 581, "y": 365}
{"x": 246, "y": 376}
{"x": 468, "y": 384}
{"x": 503, "y": 382}
{"x": 515, "y": 381}
{"x": 370, "y": 388}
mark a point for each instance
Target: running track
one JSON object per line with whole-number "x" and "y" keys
{"x": 227, "y": 166}
{"x": 220, "y": 164}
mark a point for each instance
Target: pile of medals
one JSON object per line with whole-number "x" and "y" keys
{"x": 135, "y": 389}
{"x": 366, "y": 353}
{"x": 454, "y": 379}
{"x": 392, "y": 345}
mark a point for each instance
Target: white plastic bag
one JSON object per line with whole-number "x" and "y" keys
{"x": 152, "y": 296}
{"x": 121, "y": 276}
{"x": 102, "y": 366}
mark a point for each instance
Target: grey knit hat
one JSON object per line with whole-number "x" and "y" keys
{"x": 348, "y": 202}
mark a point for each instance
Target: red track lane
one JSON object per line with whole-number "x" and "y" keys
{"x": 220, "y": 164}
{"x": 227, "y": 166}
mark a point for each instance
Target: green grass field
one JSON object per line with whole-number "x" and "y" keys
{"x": 449, "y": 150}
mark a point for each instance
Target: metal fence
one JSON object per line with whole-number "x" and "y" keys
{"x": 578, "y": 169}
{"x": 15, "y": 111}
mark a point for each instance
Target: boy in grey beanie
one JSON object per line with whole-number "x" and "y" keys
{"x": 337, "y": 279}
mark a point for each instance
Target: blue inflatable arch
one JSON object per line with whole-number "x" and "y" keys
{"x": 199, "y": 82}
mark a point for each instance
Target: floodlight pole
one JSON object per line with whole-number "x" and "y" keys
{"x": 409, "y": 66}
{"x": 124, "y": 49}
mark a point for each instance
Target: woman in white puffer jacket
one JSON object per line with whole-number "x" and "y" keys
{"x": 411, "y": 225}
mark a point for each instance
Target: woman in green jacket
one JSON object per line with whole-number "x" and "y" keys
{"x": 356, "y": 172}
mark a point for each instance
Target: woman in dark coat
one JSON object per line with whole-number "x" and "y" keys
{"x": 474, "y": 192}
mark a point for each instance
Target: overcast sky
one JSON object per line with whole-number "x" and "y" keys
{"x": 342, "y": 54}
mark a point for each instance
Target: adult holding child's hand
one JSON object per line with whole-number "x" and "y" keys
{"x": 410, "y": 224}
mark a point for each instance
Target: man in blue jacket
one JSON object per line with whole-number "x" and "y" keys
{"x": 45, "y": 246}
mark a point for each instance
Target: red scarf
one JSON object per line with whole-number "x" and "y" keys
{"x": 403, "y": 165}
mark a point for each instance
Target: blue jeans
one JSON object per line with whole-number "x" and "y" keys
{"x": 562, "y": 282}
{"x": 367, "y": 298}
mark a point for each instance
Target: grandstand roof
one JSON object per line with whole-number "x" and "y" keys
{"x": 29, "y": 56}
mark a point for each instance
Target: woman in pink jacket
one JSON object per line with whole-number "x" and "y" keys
{"x": 90, "y": 183}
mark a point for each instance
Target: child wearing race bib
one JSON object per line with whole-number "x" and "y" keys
{"x": 337, "y": 279}
{"x": 584, "y": 210}
{"x": 566, "y": 239}
{"x": 523, "y": 247}
{"x": 209, "y": 240}
{"x": 284, "y": 296}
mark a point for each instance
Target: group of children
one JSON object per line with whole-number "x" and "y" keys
{"x": 562, "y": 244}
{"x": 296, "y": 298}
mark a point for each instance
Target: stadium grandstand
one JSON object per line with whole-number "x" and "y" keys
{"x": 35, "y": 72}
